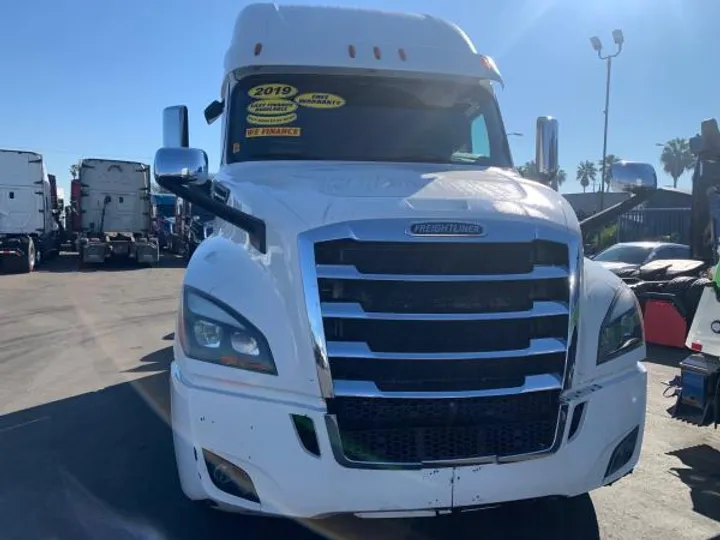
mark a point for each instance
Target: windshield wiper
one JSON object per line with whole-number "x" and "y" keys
{"x": 453, "y": 158}
{"x": 424, "y": 158}
{"x": 287, "y": 155}
{"x": 420, "y": 158}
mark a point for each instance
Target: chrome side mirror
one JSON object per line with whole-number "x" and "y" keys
{"x": 180, "y": 167}
{"x": 175, "y": 127}
{"x": 546, "y": 147}
{"x": 632, "y": 176}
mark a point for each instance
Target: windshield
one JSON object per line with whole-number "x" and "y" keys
{"x": 625, "y": 254}
{"x": 165, "y": 210}
{"x": 364, "y": 118}
{"x": 202, "y": 215}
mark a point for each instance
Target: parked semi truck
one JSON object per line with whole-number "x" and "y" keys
{"x": 28, "y": 216}
{"x": 115, "y": 212}
{"x": 387, "y": 320}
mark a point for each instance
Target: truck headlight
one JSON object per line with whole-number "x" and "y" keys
{"x": 211, "y": 331}
{"x": 622, "y": 329}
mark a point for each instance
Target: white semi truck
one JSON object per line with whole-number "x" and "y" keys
{"x": 387, "y": 320}
{"x": 29, "y": 229}
{"x": 116, "y": 212}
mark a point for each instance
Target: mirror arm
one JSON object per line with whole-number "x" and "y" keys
{"x": 255, "y": 227}
{"x": 607, "y": 216}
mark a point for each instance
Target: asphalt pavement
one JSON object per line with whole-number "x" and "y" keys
{"x": 86, "y": 448}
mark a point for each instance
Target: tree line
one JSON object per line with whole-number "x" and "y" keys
{"x": 675, "y": 159}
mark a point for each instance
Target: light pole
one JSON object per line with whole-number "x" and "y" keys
{"x": 597, "y": 47}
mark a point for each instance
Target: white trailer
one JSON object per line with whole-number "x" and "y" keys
{"x": 387, "y": 320}
{"x": 28, "y": 228}
{"x": 116, "y": 212}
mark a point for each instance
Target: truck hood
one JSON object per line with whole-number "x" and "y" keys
{"x": 319, "y": 193}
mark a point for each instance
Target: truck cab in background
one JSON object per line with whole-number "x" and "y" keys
{"x": 193, "y": 224}
{"x": 115, "y": 212}
{"x": 164, "y": 205}
{"x": 387, "y": 320}
{"x": 29, "y": 230}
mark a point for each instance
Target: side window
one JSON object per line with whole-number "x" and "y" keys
{"x": 680, "y": 253}
{"x": 672, "y": 252}
{"x": 480, "y": 139}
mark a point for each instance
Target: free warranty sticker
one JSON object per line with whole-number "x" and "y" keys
{"x": 317, "y": 100}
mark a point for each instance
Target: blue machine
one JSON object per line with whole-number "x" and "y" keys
{"x": 699, "y": 398}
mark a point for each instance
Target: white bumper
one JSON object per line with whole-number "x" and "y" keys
{"x": 255, "y": 432}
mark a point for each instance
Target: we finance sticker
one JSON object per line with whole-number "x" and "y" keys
{"x": 271, "y": 120}
{"x": 273, "y": 91}
{"x": 251, "y": 133}
{"x": 316, "y": 100}
{"x": 270, "y": 107}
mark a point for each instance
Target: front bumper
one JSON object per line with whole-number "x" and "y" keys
{"x": 256, "y": 433}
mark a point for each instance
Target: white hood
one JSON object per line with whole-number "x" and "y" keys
{"x": 313, "y": 194}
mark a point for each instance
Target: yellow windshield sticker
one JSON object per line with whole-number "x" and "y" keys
{"x": 273, "y": 91}
{"x": 272, "y": 106}
{"x": 316, "y": 100}
{"x": 271, "y": 120}
{"x": 272, "y": 132}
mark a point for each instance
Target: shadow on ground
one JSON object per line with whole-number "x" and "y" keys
{"x": 101, "y": 466}
{"x": 701, "y": 473}
{"x": 666, "y": 356}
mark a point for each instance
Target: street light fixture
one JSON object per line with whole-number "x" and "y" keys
{"x": 619, "y": 39}
{"x": 515, "y": 134}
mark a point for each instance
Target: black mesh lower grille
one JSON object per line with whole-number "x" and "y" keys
{"x": 420, "y": 430}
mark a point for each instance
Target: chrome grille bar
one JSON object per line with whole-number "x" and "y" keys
{"x": 349, "y": 349}
{"x": 533, "y": 383}
{"x": 350, "y": 272}
{"x": 353, "y": 310}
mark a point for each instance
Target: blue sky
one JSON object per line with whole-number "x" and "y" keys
{"x": 88, "y": 78}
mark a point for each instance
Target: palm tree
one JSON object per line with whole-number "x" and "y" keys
{"x": 676, "y": 158}
{"x": 609, "y": 160}
{"x": 74, "y": 170}
{"x": 559, "y": 179}
{"x": 587, "y": 174}
{"x": 529, "y": 171}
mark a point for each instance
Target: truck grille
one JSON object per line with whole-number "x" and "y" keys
{"x": 422, "y": 430}
{"x": 443, "y": 350}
